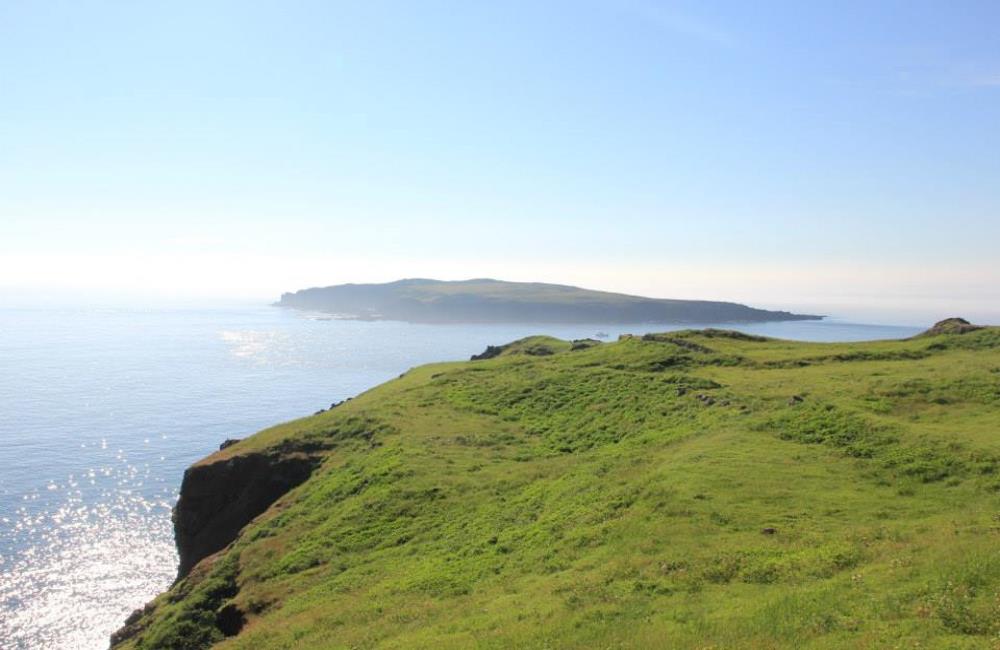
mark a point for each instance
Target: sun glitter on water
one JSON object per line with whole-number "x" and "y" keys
{"x": 81, "y": 574}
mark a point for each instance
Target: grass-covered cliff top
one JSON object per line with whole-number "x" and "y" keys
{"x": 691, "y": 489}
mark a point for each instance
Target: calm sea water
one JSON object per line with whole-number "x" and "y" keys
{"x": 102, "y": 409}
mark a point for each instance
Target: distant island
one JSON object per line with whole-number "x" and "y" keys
{"x": 496, "y": 301}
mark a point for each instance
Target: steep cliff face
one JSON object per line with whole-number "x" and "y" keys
{"x": 219, "y": 497}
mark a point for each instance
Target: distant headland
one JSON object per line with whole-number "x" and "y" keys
{"x": 496, "y": 301}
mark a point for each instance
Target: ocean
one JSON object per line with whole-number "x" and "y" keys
{"x": 103, "y": 409}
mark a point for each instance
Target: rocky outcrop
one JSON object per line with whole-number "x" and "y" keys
{"x": 952, "y": 326}
{"x": 220, "y": 497}
{"x": 490, "y": 352}
{"x": 133, "y": 625}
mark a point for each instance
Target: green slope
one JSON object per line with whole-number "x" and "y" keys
{"x": 696, "y": 489}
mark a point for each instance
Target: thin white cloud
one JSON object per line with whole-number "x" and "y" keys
{"x": 677, "y": 23}
{"x": 986, "y": 81}
{"x": 981, "y": 74}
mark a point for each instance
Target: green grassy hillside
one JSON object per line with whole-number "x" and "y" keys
{"x": 697, "y": 489}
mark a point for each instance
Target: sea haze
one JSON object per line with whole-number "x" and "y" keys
{"x": 104, "y": 408}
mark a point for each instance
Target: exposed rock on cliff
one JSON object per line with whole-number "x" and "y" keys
{"x": 219, "y": 498}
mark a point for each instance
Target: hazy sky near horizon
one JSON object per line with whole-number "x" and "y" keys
{"x": 779, "y": 153}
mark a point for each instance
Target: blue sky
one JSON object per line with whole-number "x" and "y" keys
{"x": 832, "y": 154}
